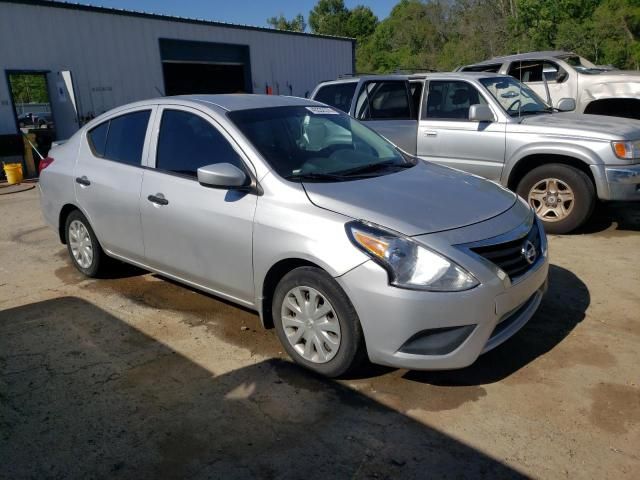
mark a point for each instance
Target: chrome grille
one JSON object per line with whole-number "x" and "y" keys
{"x": 511, "y": 256}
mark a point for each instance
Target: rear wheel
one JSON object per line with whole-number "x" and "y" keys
{"x": 83, "y": 246}
{"x": 562, "y": 196}
{"x": 316, "y": 323}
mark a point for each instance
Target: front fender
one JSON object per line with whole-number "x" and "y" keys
{"x": 570, "y": 150}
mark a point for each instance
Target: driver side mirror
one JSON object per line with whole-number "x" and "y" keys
{"x": 566, "y": 105}
{"x": 222, "y": 175}
{"x": 481, "y": 113}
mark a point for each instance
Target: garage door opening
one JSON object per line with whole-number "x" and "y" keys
{"x": 182, "y": 78}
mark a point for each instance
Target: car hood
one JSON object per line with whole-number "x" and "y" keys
{"x": 424, "y": 199}
{"x": 579, "y": 125}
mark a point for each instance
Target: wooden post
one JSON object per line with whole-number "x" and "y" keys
{"x": 28, "y": 154}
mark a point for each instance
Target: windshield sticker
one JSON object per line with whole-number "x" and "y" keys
{"x": 322, "y": 110}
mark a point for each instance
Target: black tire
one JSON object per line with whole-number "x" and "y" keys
{"x": 99, "y": 262}
{"x": 581, "y": 185}
{"x": 351, "y": 351}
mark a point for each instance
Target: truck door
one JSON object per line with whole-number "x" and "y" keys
{"x": 447, "y": 136}
{"x": 560, "y": 82}
{"x": 386, "y": 107}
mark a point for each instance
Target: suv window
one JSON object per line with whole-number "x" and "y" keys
{"x": 121, "y": 139}
{"x": 495, "y": 68}
{"x": 337, "y": 95}
{"x": 533, "y": 71}
{"x": 450, "y": 100}
{"x": 187, "y": 142}
{"x": 384, "y": 100}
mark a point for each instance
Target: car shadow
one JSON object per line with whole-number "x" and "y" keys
{"x": 613, "y": 217}
{"x": 83, "y": 394}
{"x": 562, "y": 308}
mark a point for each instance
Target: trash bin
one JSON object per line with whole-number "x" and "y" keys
{"x": 13, "y": 171}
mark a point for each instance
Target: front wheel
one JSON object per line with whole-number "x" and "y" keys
{"x": 562, "y": 196}
{"x": 316, "y": 323}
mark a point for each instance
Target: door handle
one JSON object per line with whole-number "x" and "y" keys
{"x": 158, "y": 199}
{"x": 429, "y": 133}
{"x": 84, "y": 181}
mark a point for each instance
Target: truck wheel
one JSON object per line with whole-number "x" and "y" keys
{"x": 562, "y": 196}
{"x": 316, "y": 323}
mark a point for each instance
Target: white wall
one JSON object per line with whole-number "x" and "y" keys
{"x": 115, "y": 59}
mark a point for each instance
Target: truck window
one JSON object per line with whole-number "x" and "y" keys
{"x": 337, "y": 95}
{"x": 416, "y": 95}
{"x": 385, "y": 100}
{"x": 450, "y": 100}
{"x": 536, "y": 71}
{"x": 495, "y": 68}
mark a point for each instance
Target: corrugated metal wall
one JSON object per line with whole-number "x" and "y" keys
{"x": 115, "y": 58}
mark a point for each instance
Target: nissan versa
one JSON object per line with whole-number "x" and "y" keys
{"x": 348, "y": 246}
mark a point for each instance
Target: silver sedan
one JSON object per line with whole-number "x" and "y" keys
{"x": 348, "y": 246}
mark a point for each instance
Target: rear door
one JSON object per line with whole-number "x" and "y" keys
{"x": 386, "y": 107}
{"x": 108, "y": 178}
{"x": 447, "y": 136}
{"x": 200, "y": 234}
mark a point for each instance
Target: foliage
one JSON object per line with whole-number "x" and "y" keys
{"x": 28, "y": 88}
{"x": 442, "y": 34}
{"x": 296, "y": 24}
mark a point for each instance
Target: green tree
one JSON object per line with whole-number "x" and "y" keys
{"x": 296, "y": 24}
{"x": 329, "y": 17}
{"x": 361, "y": 22}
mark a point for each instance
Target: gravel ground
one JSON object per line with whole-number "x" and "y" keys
{"x": 138, "y": 377}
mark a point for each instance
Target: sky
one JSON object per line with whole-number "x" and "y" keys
{"x": 245, "y": 12}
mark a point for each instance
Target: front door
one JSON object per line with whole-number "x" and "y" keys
{"x": 197, "y": 233}
{"x": 543, "y": 75}
{"x": 447, "y": 136}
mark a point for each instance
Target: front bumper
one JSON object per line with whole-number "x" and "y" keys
{"x": 622, "y": 181}
{"x": 391, "y": 316}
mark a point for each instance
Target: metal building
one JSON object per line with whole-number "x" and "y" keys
{"x": 64, "y": 63}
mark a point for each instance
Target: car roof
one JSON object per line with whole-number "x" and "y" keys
{"x": 455, "y": 75}
{"x": 525, "y": 56}
{"x": 243, "y": 101}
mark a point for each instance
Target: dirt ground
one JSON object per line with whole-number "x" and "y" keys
{"x": 138, "y": 377}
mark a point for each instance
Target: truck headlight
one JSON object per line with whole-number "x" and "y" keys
{"x": 409, "y": 264}
{"x": 626, "y": 150}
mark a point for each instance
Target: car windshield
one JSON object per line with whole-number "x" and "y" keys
{"x": 318, "y": 144}
{"x": 515, "y": 97}
{"x": 583, "y": 65}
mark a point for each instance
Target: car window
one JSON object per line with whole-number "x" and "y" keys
{"x": 383, "y": 100}
{"x": 450, "y": 100}
{"x": 415, "y": 88}
{"x": 537, "y": 71}
{"x": 317, "y": 143}
{"x": 338, "y": 95}
{"x": 515, "y": 97}
{"x": 187, "y": 142}
{"x": 495, "y": 68}
{"x": 125, "y": 137}
{"x": 98, "y": 138}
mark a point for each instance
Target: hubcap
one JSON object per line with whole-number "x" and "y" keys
{"x": 552, "y": 199}
{"x": 310, "y": 324}
{"x": 80, "y": 244}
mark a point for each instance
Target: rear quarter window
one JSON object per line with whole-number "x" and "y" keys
{"x": 97, "y": 137}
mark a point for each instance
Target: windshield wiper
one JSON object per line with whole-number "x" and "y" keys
{"x": 373, "y": 167}
{"x": 311, "y": 176}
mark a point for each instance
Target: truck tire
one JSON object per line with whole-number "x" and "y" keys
{"x": 562, "y": 196}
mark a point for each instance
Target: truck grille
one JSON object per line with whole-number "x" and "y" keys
{"x": 515, "y": 257}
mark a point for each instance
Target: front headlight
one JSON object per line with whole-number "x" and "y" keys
{"x": 409, "y": 264}
{"x": 626, "y": 150}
